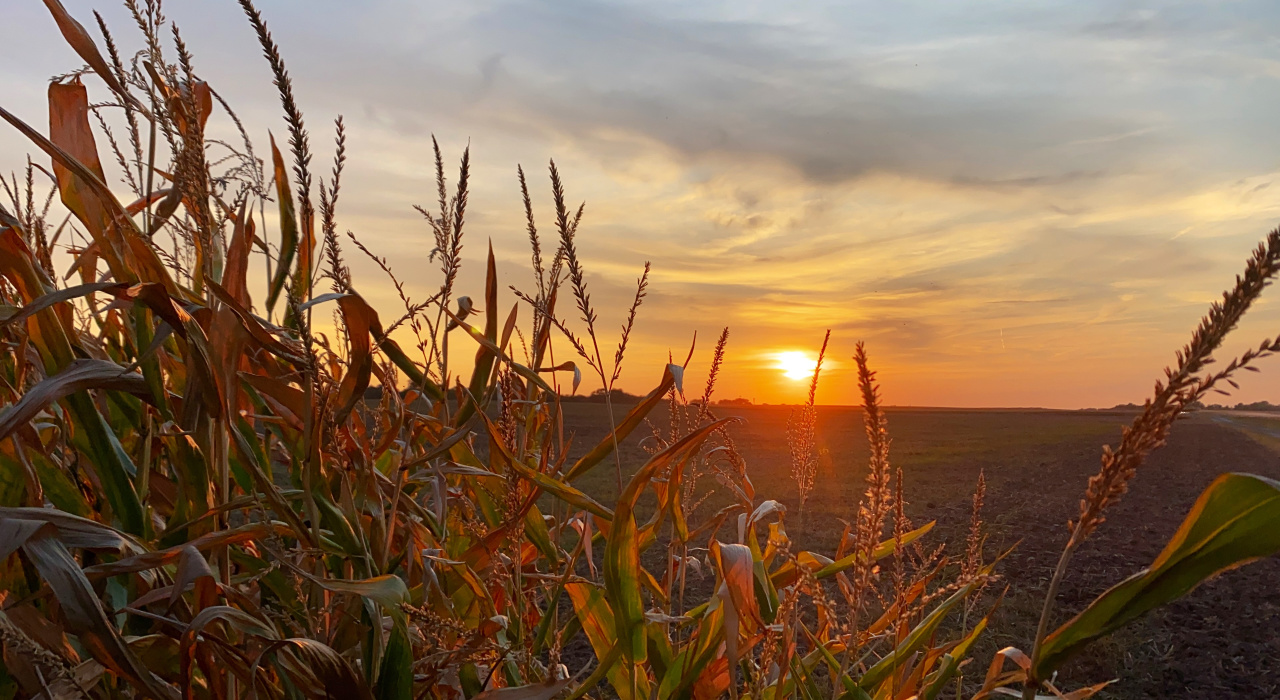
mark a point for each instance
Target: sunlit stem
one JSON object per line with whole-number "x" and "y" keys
{"x": 1050, "y": 597}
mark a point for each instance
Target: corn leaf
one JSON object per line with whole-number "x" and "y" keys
{"x": 359, "y": 318}
{"x": 1233, "y": 522}
{"x": 319, "y": 669}
{"x": 622, "y": 546}
{"x": 288, "y": 228}
{"x": 84, "y": 615}
{"x": 75, "y": 35}
{"x": 483, "y": 367}
{"x": 81, "y": 186}
{"x": 823, "y": 567}
{"x": 109, "y": 459}
{"x": 80, "y": 375}
{"x": 630, "y": 422}
{"x": 58, "y": 296}
{"x": 951, "y": 662}
{"x": 395, "y": 675}
{"x": 916, "y": 638}
{"x": 597, "y": 620}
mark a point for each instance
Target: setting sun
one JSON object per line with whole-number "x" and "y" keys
{"x": 796, "y": 365}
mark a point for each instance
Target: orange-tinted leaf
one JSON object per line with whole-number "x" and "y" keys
{"x": 292, "y": 400}
{"x": 359, "y": 318}
{"x": 194, "y": 570}
{"x": 50, "y": 332}
{"x": 288, "y": 227}
{"x": 142, "y": 202}
{"x": 82, "y": 189}
{"x": 80, "y": 40}
{"x": 483, "y": 367}
{"x": 254, "y": 326}
{"x": 236, "y": 269}
{"x": 737, "y": 593}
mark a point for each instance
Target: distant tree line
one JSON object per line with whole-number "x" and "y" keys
{"x": 374, "y": 393}
{"x": 1198, "y": 405}
{"x": 1255, "y": 406}
{"x": 598, "y": 396}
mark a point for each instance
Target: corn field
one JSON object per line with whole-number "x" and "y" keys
{"x": 201, "y": 498}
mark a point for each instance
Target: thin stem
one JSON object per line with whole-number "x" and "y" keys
{"x": 1051, "y": 595}
{"x": 151, "y": 171}
{"x": 613, "y": 432}
{"x": 608, "y": 403}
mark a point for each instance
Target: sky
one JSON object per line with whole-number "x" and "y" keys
{"x": 1012, "y": 203}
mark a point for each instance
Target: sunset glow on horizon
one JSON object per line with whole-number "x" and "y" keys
{"x": 1012, "y": 205}
{"x": 796, "y": 365}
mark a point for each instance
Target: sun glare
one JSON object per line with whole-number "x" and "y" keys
{"x": 796, "y": 365}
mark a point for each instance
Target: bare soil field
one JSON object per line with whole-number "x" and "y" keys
{"x": 1221, "y": 641}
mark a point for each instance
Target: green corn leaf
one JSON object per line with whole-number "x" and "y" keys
{"x": 881, "y": 551}
{"x": 559, "y": 488}
{"x": 535, "y": 528}
{"x": 109, "y": 459}
{"x": 951, "y": 662}
{"x": 395, "y": 677}
{"x": 916, "y": 638}
{"x": 563, "y": 491}
{"x": 786, "y": 573}
{"x": 629, "y": 423}
{"x": 597, "y": 621}
{"x": 1235, "y": 521}
{"x": 12, "y": 481}
{"x": 387, "y": 590}
{"x": 622, "y": 546}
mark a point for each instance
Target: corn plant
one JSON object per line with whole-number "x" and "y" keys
{"x": 200, "y": 497}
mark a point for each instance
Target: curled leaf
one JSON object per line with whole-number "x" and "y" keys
{"x": 80, "y": 375}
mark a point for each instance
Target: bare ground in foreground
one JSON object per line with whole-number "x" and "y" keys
{"x": 1221, "y": 641}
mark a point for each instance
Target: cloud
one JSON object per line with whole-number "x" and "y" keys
{"x": 997, "y": 105}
